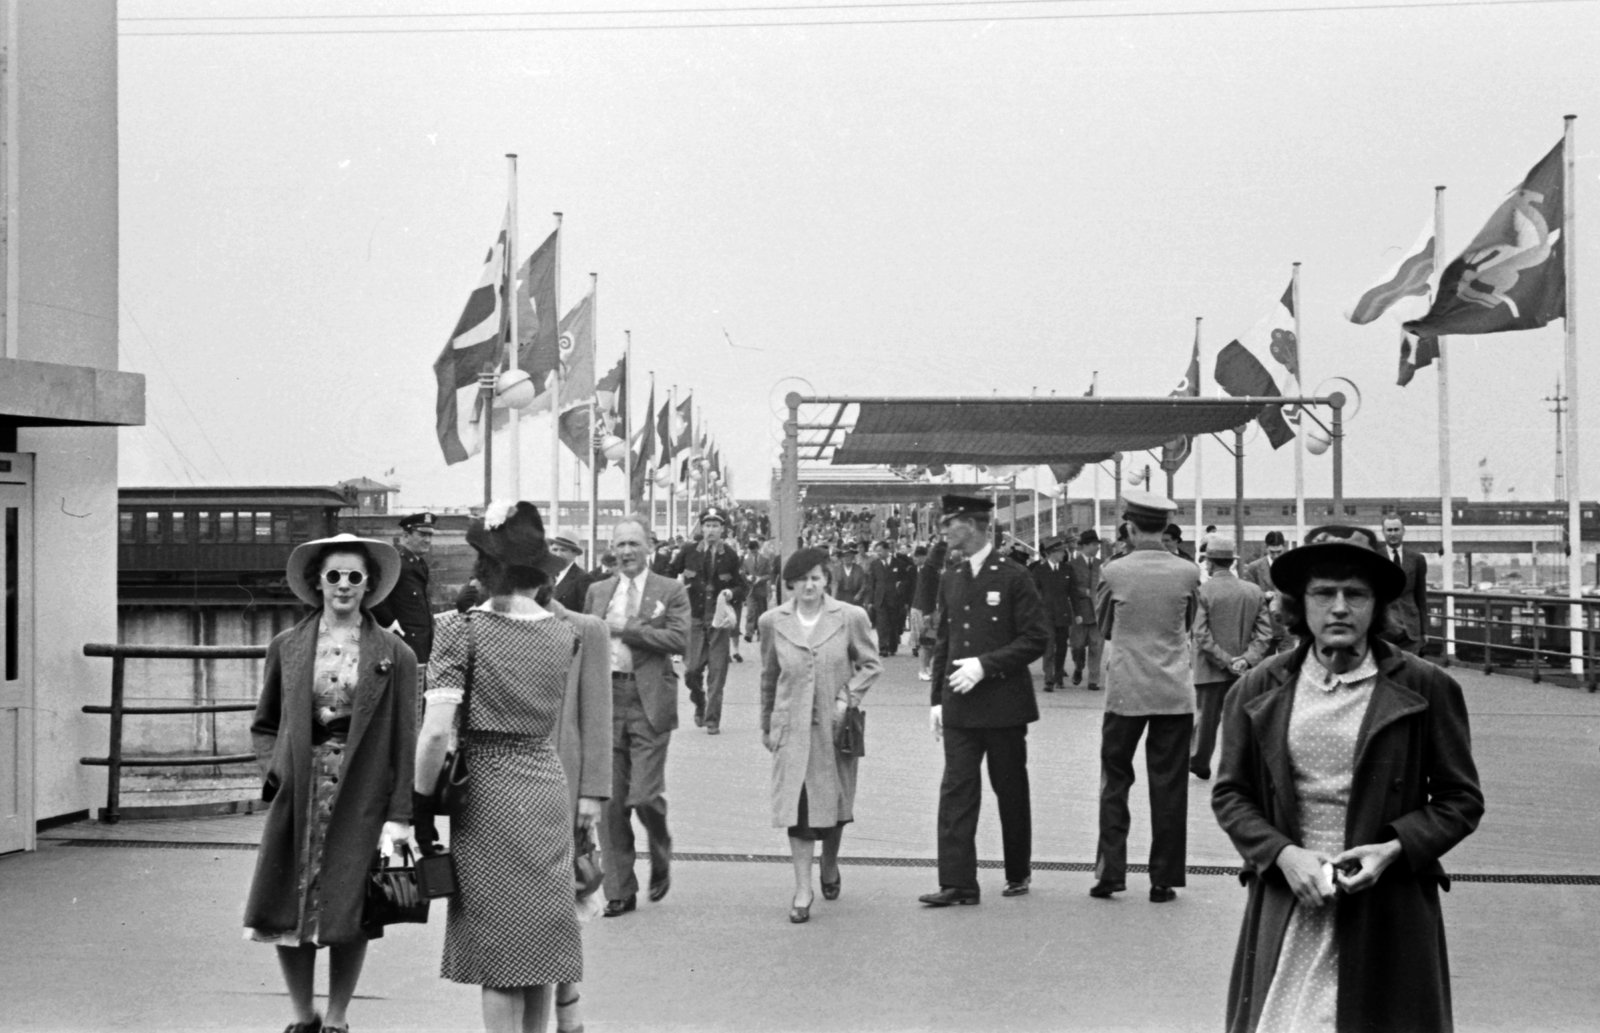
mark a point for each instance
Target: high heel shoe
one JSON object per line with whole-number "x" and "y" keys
{"x": 800, "y": 915}
{"x": 830, "y": 890}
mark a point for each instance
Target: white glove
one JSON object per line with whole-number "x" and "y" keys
{"x": 936, "y": 721}
{"x": 394, "y": 834}
{"x": 967, "y": 674}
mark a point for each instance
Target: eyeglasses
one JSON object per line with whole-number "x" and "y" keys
{"x": 334, "y": 577}
{"x": 1352, "y": 596}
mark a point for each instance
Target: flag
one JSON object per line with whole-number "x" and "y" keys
{"x": 664, "y": 432}
{"x": 1415, "y": 352}
{"x": 575, "y": 344}
{"x": 537, "y": 336}
{"x": 1246, "y": 365}
{"x": 576, "y": 433}
{"x": 1174, "y": 452}
{"x": 647, "y": 449}
{"x": 685, "y": 414}
{"x": 1511, "y": 276}
{"x": 611, "y": 401}
{"x": 1409, "y": 278}
{"x": 475, "y": 346}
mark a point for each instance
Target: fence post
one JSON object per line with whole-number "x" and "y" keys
{"x": 114, "y": 753}
{"x": 1538, "y": 619}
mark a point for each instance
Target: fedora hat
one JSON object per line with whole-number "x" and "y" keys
{"x": 513, "y": 533}
{"x": 384, "y": 555}
{"x": 1340, "y": 543}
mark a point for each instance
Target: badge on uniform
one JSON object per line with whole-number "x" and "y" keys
{"x": 994, "y": 598}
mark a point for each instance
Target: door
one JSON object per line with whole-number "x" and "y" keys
{"x": 16, "y": 652}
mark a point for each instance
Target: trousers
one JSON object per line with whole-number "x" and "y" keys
{"x": 1166, "y": 755}
{"x": 638, "y": 786}
{"x": 890, "y": 621}
{"x": 961, "y": 796}
{"x": 705, "y": 669}
{"x": 1208, "y": 697}
{"x": 1055, "y": 654}
{"x": 1087, "y": 648}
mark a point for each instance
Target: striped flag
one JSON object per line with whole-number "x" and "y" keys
{"x": 1408, "y": 278}
{"x": 475, "y": 346}
{"x": 1250, "y": 364}
{"x": 664, "y": 433}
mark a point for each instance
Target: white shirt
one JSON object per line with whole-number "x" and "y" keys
{"x": 621, "y": 654}
{"x": 977, "y": 558}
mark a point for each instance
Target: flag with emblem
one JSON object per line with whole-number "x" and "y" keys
{"x": 537, "y": 325}
{"x": 575, "y": 346}
{"x": 1403, "y": 294}
{"x": 1264, "y": 363}
{"x": 476, "y": 345}
{"x": 1174, "y": 452}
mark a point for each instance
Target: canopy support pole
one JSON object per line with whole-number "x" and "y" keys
{"x": 789, "y": 483}
{"x": 1238, "y": 485}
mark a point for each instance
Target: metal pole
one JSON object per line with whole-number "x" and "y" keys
{"x": 594, "y": 423}
{"x": 627, "y": 422}
{"x": 509, "y": 285}
{"x": 114, "y": 753}
{"x": 1238, "y": 485}
{"x": 789, "y": 484}
{"x": 1569, "y": 249}
{"x": 1447, "y": 509}
{"x": 1336, "y": 426}
{"x": 1199, "y": 442}
{"x": 1300, "y": 436}
{"x": 555, "y": 398}
{"x": 486, "y": 392}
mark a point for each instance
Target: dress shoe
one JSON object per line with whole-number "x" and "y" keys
{"x": 1016, "y": 889}
{"x": 712, "y": 729}
{"x": 1104, "y": 889}
{"x": 1093, "y": 687}
{"x": 699, "y": 718}
{"x": 948, "y": 895}
{"x": 1077, "y": 677}
{"x": 614, "y": 908}
{"x": 1162, "y": 894}
{"x": 924, "y": 676}
{"x": 659, "y": 887}
{"x": 1049, "y": 686}
{"x": 1203, "y": 774}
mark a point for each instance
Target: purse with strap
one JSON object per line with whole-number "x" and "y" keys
{"x": 393, "y": 894}
{"x": 449, "y": 796}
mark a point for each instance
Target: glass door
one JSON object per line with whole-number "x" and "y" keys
{"x": 16, "y": 652}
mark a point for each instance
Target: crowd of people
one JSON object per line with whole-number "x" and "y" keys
{"x": 1345, "y": 769}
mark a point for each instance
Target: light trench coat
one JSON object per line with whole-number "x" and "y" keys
{"x": 836, "y": 660}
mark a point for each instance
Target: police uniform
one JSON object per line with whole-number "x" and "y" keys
{"x": 706, "y": 573}
{"x": 994, "y": 615}
{"x": 408, "y": 604}
{"x": 572, "y": 584}
{"x": 1146, "y": 605}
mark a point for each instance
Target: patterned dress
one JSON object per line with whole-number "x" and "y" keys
{"x": 512, "y": 922}
{"x": 1323, "y": 726}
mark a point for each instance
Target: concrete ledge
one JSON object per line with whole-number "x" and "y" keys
{"x": 50, "y": 394}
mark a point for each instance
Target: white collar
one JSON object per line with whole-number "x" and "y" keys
{"x": 977, "y": 558}
{"x": 1328, "y": 681}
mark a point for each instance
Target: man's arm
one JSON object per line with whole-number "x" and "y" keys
{"x": 1204, "y": 641}
{"x": 670, "y": 640}
{"x": 1029, "y": 625}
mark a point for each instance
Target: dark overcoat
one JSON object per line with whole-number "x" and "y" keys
{"x": 1057, "y": 591}
{"x": 996, "y": 617}
{"x": 409, "y": 605}
{"x": 374, "y": 783}
{"x": 1414, "y": 780}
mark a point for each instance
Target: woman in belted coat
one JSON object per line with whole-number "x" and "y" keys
{"x": 1346, "y": 774}
{"x": 335, "y": 734}
{"x": 818, "y": 658}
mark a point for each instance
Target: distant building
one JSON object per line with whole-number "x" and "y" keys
{"x": 370, "y": 497}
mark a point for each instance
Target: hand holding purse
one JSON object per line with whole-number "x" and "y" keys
{"x": 449, "y": 796}
{"x": 393, "y": 894}
{"x": 586, "y": 872}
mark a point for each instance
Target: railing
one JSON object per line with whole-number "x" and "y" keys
{"x": 1523, "y": 633}
{"x": 114, "y": 760}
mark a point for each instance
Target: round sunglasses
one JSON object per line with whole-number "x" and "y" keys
{"x": 333, "y": 577}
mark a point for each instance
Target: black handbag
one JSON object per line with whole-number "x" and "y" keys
{"x": 393, "y": 894}
{"x": 436, "y": 874}
{"x": 449, "y": 796}
{"x": 851, "y": 737}
{"x": 586, "y": 871}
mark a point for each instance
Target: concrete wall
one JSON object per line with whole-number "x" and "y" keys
{"x": 66, "y": 233}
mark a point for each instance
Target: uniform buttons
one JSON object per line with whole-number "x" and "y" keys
{"x": 966, "y": 625}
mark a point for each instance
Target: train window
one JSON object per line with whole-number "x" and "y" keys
{"x": 1223, "y": 511}
{"x": 1288, "y": 511}
{"x": 263, "y": 527}
{"x": 299, "y": 525}
{"x": 208, "y": 530}
{"x": 180, "y": 527}
{"x": 1349, "y": 511}
{"x": 1388, "y": 510}
{"x": 1247, "y": 511}
{"x": 280, "y": 526}
{"x": 125, "y": 527}
{"x": 224, "y": 527}
{"x": 152, "y": 525}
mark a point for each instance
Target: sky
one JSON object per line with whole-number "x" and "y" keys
{"x": 972, "y": 207}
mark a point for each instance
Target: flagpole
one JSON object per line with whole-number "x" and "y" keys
{"x": 594, "y": 423}
{"x": 1447, "y": 509}
{"x": 649, "y": 473}
{"x": 514, "y": 423}
{"x": 1199, "y": 442}
{"x": 555, "y": 394}
{"x": 1094, "y": 389}
{"x": 672, "y": 475}
{"x": 627, "y": 421}
{"x": 1569, "y": 251}
{"x": 1300, "y": 434}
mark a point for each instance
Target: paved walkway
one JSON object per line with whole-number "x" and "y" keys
{"x": 145, "y": 938}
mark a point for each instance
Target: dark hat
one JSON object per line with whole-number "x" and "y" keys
{"x": 566, "y": 543}
{"x": 1174, "y": 532}
{"x": 801, "y": 562}
{"x": 964, "y": 505}
{"x": 846, "y": 547}
{"x": 1147, "y": 505}
{"x": 1340, "y": 543}
{"x": 1089, "y": 537}
{"x": 714, "y": 513}
{"x": 411, "y": 520}
{"x": 1052, "y": 543}
{"x": 921, "y": 550}
{"x": 513, "y": 533}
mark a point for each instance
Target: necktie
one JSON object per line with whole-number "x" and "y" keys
{"x": 633, "y": 598}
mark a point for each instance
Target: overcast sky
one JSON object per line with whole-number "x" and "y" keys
{"x": 953, "y": 208}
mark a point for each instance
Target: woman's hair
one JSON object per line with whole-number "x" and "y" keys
{"x": 499, "y": 578}
{"x": 1293, "y": 604}
{"x": 801, "y": 563}
{"x": 313, "y": 568}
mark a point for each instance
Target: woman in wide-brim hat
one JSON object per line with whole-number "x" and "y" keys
{"x": 1346, "y": 774}
{"x": 335, "y": 732}
{"x": 512, "y": 928}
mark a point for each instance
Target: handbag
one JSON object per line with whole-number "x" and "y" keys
{"x": 436, "y": 874}
{"x": 393, "y": 894}
{"x": 851, "y": 737}
{"x": 586, "y": 871}
{"x": 449, "y": 796}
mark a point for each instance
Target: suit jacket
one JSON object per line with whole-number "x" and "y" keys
{"x": 583, "y": 736}
{"x": 1403, "y": 623}
{"x": 375, "y": 784}
{"x": 408, "y": 605}
{"x": 705, "y": 574}
{"x": 882, "y": 590}
{"x": 996, "y": 617}
{"x": 850, "y": 585}
{"x": 656, "y": 634}
{"x": 569, "y": 591}
{"x": 904, "y": 573}
{"x": 1057, "y": 590}
{"x": 1259, "y": 573}
{"x": 1085, "y": 583}
{"x": 1232, "y": 620}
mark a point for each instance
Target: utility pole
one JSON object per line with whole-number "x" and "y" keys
{"x": 1559, "y": 401}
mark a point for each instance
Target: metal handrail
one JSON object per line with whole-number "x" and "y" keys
{"x": 119, "y": 654}
{"x": 1539, "y": 629}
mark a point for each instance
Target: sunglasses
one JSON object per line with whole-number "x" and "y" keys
{"x": 334, "y": 577}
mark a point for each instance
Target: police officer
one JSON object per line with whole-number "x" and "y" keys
{"x": 708, "y": 568}
{"x": 407, "y": 611}
{"x": 992, "y": 627}
{"x": 570, "y": 586}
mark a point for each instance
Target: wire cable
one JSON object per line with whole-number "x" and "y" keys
{"x": 176, "y": 389}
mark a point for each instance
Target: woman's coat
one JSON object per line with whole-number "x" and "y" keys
{"x": 374, "y": 784}
{"x": 838, "y": 658}
{"x": 583, "y": 736}
{"x": 1414, "y": 779}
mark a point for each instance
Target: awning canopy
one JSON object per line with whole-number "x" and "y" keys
{"x": 920, "y": 431}
{"x": 868, "y": 493}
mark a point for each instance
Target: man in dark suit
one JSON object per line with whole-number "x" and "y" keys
{"x": 903, "y": 572}
{"x": 569, "y": 586}
{"x": 1053, "y": 576}
{"x": 850, "y": 578}
{"x": 992, "y": 628}
{"x": 1087, "y": 644}
{"x": 1403, "y": 623}
{"x": 649, "y": 619}
{"x": 407, "y": 610}
{"x": 709, "y": 568}
{"x": 883, "y": 599}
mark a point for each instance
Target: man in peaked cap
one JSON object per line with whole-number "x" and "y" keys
{"x": 407, "y": 610}
{"x": 709, "y": 568}
{"x": 569, "y": 587}
{"x": 1232, "y": 633}
{"x": 1146, "y": 605}
{"x": 982, "y": 701}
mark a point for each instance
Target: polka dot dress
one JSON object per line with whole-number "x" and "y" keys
{"x": 1323, "y": 726}
{"x": 512, "y": 922}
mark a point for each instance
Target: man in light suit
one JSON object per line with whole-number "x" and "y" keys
{"x": 1403, "y": 624}
{"x": 1232, "y": 633}
{"x": 649, "y": 620}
